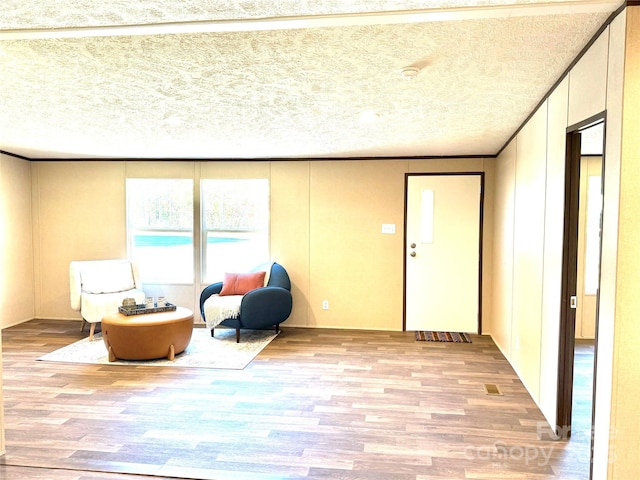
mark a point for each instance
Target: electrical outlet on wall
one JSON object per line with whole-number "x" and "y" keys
{"x": 325, "y": 304}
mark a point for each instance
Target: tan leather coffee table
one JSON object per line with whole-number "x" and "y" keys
{"x": 147, "y": 336}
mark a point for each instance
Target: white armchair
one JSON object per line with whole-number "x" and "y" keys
{"x": 97, "y": 288}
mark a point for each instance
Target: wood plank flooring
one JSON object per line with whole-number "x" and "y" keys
{"x": 315, "y": 404}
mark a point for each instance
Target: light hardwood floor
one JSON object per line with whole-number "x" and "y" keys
{"x": 321, "y": 404}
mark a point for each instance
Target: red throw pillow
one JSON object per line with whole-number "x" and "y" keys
{"x": 241, "y": 283}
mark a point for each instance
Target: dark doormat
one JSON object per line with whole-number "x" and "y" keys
{"x": 429, "y": 336}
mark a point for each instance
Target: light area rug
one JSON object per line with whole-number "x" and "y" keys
{"x": 203, "y": 351}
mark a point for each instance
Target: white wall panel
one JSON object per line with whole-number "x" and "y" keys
{"x": 3, "y": 448}
{"x": 588, "y": 82}
{"x": 290, "y": 231}
{"x": 624, "y": 443}
{"x": 553, "y": 238}
{"x": 17, "y": 295}
{"x": 79, "y": 214}
{"x": 326, "y": 219}
{"x": 608, "y": 265}
{"x": 504, "y": 193}
{"x": 528, "y": 250}
{"x": 352, "y": 264}
{"x": 166, "y": 169}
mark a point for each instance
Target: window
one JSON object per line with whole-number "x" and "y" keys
{"x": 235, "y": 225}
{"x": 160, "y": 228}
{"x": 592, "y": 254}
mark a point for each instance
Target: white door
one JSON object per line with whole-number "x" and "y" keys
{"x": 442, "y": 262}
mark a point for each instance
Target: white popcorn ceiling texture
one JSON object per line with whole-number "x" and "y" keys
{"x": 275, "y": 93}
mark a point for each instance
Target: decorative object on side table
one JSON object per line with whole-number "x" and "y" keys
{"x": 129, "y": 302}
{"x": 129, "y": 307}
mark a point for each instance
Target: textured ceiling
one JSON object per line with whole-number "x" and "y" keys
{"x": 240, "y": 86}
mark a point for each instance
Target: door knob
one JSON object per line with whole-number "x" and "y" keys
{"x": 413, "y": 245}
{"x": 413, "y": 254}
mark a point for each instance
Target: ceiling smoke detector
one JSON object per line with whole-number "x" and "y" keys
{"x": 409, "y": 73}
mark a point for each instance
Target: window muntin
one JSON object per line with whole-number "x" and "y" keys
{"x": 160, "y": 229}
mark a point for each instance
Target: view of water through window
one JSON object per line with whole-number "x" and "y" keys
{"x": 160, "y": 227}
{"x": 235, "y": 225}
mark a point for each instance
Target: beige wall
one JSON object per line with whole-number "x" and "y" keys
{"x": 290, "y": 230}
{"x": 521, "y": 321}
{"x": 527, "y": 250}
{"x": 78, "y": 214}
{"x": 521, "y": 215}
{"x": 325, "y": 229}
{"x": 528, "y": 245}
{"x": 552, "y": 253}
{"x": 625, "y": 422}
{"x": 16, "y": 251}
{"x": 503, "y": 235}
{"x": 603, "y": 428}
{"x": 588, "y": 82}
{"x": 3, "y": 449}
{"x": 527, "y": 299}
{"x": 16, "y": 244}
{"x": 352, "y": 264}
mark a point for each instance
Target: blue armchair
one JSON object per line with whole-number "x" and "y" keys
{"x": 258, "y": 309}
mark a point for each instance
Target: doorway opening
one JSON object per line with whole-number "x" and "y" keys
{"x": 584, "y": 171}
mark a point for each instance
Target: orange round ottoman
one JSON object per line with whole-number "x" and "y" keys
{"x": 147, "y": 336}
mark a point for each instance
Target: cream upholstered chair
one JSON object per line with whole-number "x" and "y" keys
{"x": 97, "y": 288}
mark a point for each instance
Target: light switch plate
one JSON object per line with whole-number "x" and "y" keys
{"x": 389, "y": 228}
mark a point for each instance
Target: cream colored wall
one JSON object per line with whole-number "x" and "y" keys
{"x": 552, "y": 254}
{"x": 3, "y": 449}
{"x": 16, "y": 252}
{"x": 537, "y": 229}
{"x": 625, "y": 422}
{"x": 16, "y": 242}
{"x": 596, "y": 82}
{"x": 528, "y": 245}
{"x": 588, "y": 82}
{"x": 528, "y": 249}
{"x": 326, "y": 218}
{"x": 78, "y": 214}
{"x": 603, "y": 429}
{"x": 504, "y": 218}
{"x": 528, "y": 200}
{"x": 352, "y": 264}
{"x": 290, "y": 231}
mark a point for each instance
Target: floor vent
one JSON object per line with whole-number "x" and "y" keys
{"x": 491, "y": 389}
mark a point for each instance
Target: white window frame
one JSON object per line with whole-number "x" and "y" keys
{"x": 161, "y": 267}
{"x": 256, "y": 233}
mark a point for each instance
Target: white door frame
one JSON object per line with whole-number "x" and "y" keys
{"x": 480, "y": 240}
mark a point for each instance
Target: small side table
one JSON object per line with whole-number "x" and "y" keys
{"x": 147, "y": 336}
